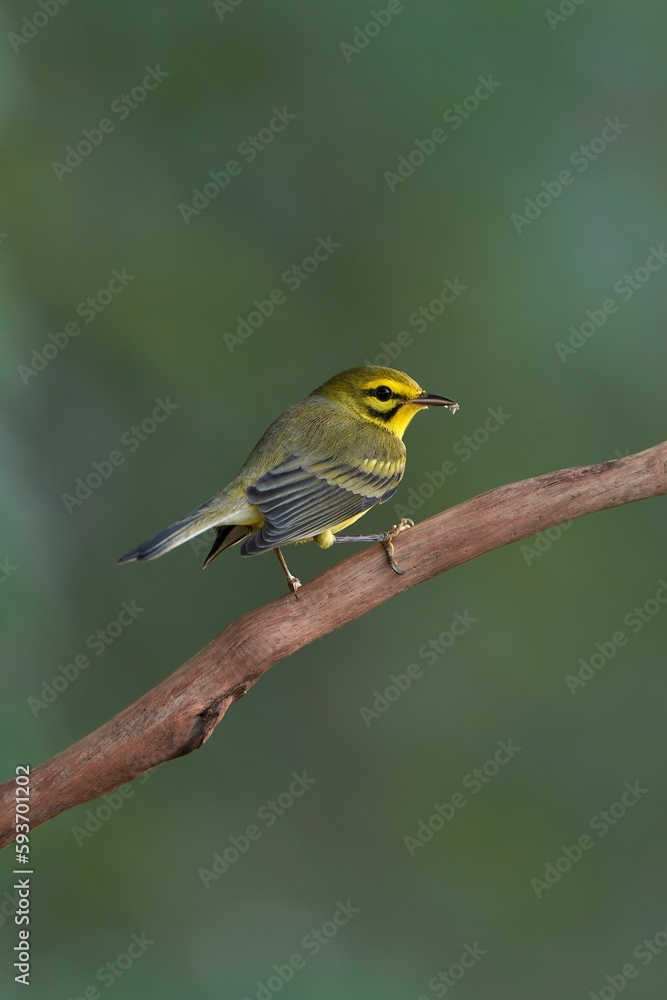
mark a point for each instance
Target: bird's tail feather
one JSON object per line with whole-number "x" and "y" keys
{"x": 227, "y": 535}
{"x": 195, "y": 523}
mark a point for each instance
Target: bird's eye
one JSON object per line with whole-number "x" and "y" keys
{"x": 383, "y": 393}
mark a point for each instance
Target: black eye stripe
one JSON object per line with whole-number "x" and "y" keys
{"x": 385, "y": 415}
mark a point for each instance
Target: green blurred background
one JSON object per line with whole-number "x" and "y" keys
{"x": 537, "y": 610}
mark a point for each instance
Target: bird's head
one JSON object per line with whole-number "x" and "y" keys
{"x": 383, "y": 396}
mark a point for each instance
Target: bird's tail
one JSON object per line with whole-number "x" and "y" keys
{"x": 195, "y": 523}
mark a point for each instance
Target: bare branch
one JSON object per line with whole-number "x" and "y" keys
{"x": 180, "y": 714}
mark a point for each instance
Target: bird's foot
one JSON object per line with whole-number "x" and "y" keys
{"x": 292, "y": 582}
{"x": 388, "y": 541}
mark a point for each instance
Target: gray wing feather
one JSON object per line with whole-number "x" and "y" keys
{"x": 297, "y": 503}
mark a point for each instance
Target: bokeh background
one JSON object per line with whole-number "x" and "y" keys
{"x": 538, "y": 606}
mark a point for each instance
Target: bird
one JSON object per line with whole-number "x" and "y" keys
{"x": 317, "y": 469}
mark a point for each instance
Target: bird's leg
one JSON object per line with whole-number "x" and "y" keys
{"x": 387, "y": 539}
{"x": 292, "y": 581}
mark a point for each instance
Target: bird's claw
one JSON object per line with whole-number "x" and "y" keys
{"x": 388, "y": 541}
{"x": 389, "y": 549}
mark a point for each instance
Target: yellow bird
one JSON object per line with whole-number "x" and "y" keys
{"x": 318, "y": 468}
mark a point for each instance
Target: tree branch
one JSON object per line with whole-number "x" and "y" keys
{"x": 179, "y": 715}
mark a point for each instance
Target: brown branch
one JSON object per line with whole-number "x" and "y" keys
{"x": 180, "y": 714}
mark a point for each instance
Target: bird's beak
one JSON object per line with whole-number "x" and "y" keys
{"x": 430, "y": 399}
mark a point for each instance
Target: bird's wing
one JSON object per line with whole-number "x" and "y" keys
{"x": 300, "y": 498}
